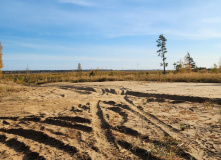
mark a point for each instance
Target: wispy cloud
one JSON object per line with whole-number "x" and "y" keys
{"x": 202, "y": 34}
{"x": 77, "y": 2}
{"x": 212, "y": 20}
{"x": 108, "y": 31}
{"x": 120, "y": 21}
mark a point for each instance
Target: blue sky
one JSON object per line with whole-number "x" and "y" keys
{"x": 107, "y": 34}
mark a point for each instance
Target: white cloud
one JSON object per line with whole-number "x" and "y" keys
{"x": 202, "y": 33}
{"x": 77, "y": 2}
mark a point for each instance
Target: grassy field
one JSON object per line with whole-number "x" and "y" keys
{"x": 100, "y": 76}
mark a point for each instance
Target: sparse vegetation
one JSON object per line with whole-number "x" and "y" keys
{"x": 7, "y": 87}
{"x": 204, "y": 76}
{"x": 188, "y": 65}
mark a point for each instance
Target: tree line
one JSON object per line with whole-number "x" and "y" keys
{"x": 188, "y": 64}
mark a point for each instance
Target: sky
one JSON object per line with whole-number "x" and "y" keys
{"x": 108, "y": 34}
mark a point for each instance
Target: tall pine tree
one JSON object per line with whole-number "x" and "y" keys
{"x": 189, "y": 63}
{"x": 161, "y": 43}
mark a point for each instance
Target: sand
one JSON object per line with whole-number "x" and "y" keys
{"x": 112, "y": 120}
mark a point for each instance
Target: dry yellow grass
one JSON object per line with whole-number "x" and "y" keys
{"x": 7, "y": 87}
{"x": 100, "y": 76}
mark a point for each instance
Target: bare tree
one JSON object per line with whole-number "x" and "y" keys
{"x": 27, "y": 70}
{"x": 79, "y": 70}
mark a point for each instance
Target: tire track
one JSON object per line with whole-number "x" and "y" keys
{"x": 59, "y": 121}
{"x": 66, "y": 118}
{"x": 127, "y": 107}
{"x": 132, "y": 132}
{"x": 21, "y": 148}
{"x": 67, "y": 124}
{"x": 177, "y": 98}
{"x": 128, "y": 131}
{"x": 118, "y": 128}
{"x": 41, "y": 137}
{"x": 120, "y": 112}
{"x": 175, "y": 133}
{"x": 141, "y": 153}
{"x": 105, "y": 126}
{"x": 100, "y": 148}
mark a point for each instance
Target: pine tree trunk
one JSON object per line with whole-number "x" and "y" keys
{"x": 164, "y": 72}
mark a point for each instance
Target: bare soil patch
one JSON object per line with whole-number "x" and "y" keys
{"x": 111, "y": 120}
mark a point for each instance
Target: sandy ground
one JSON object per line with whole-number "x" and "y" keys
{"x": 112, "y": 120}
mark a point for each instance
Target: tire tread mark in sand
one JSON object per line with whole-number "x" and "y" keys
{"x": 84, "y": 107}
{"x": 174, "y": 97}
{"x": 10, "y": 118}
{"x": 78, "y": 88}
{"x": 158, "y": 120}
{"x": 174, "y": 131}
{"x": 120, "y": 112}
{"x": 144, "y": 153}
{"x": 143, "y": 117}
{"x": 98, "y": 133}
{"x": 186, "y": 155}
{"x": 129, "y": 101}
{"x": 106, "y": 90}
{"x": 126, "y": 130}
{"x": 103, "y": 91}
{"x": 73, "y": 119}
{"x": 105, "y": 126}
{"x": 109, "y": 102}
{"x": 21, "y": 147}
{"x": 41, "y": 137}
{"x": 159, "y": 124}
{"x": 33, "y": 118}
{"x": 67, "y": 124}
{"x": 57, "y": 121}
{"x": 152, "y": 116}
{"x": 61, "y": 123}
{"x": 141, "y": 153}
{"x": 129, "y": 131}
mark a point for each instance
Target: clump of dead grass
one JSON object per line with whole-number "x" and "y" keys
{"x": 8, "y": 87}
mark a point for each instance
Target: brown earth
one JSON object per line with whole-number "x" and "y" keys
{"x": 111, "y": 120}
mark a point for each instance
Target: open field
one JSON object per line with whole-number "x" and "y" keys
{"x": 202, "y": 76}
{"x": 111, "y": 120}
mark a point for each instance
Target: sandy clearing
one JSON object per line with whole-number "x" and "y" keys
{"x": 210, "y": 90}
{"x": 112, "y": 120}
